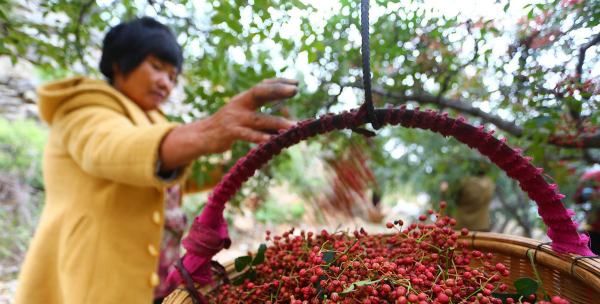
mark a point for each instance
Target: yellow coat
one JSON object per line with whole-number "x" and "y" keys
{"x": 99, "y": 234}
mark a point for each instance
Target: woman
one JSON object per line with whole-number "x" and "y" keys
{"x": 112, "y": 160}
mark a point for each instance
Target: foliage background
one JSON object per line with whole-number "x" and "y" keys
{"x": 21, "y": 144}
{"x": 531, "y": 73}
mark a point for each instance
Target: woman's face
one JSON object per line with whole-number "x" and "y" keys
{"x": 149, "y": 84}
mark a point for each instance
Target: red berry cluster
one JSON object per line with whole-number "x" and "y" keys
{"x": 420, "y": 263}
{"x": 570, "y": 131}
{"x": 573, "y": 84}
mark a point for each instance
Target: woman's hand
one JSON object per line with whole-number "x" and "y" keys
{"x": 237, "y": 120}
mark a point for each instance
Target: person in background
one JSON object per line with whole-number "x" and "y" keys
{"x": 588, "y": 196}
{"x": 114, "y": 170}
{"x": 473, "y": 200}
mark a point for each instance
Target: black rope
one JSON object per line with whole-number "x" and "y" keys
{"x": 366, "y": 65}
{"x": 538, "y": 248}
{"x": 473, "y": 238}
{"x": 577, "y": 259}
{"x": 189, "y": 284}
{"x": 220, "y": 270}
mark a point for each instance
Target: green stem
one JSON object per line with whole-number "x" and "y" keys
{"x": 479, "y": 289}
{"x": 535, "y": 272}
{"x": 344, "y": 252}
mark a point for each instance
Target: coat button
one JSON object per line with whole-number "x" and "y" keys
{"x": 156, "y": 217}
{"x": 152, "y": 250}
{"x": 154, "y": 280}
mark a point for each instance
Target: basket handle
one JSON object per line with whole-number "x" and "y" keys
{"x": 562, "y": 230}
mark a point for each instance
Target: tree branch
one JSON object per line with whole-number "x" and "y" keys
{"x": 587, "y": 155}
{"x": 334, "y": 98}
{"x": 581, "y": 142}
{"x": 524, "y": 223}
{"x": 84, "y": 8}
{"x": 458, "y": 105}
{"x": 582, "y": 50}
{"x": 448, "y": 78}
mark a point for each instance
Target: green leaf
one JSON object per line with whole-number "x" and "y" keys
{"x": 328, "y": 256}
{"x": 242, "y": 262}
{"x": 238, "y": 281}
{"x": 358, "y": 284}
{"x": 505, "y": 8}
{"x": 526, "y": 286}
{"x": 539, "y": 122}
{"x": 366, "y": 282}
{"x": 530, "y": 14}
{"x": 299, "y": 4}
{"x": 234, "y": 25}
{"x": 312, "y": 56}
{"x": 251, "y": 274}
{"x": 260, "y": 255}
{"x": 3, "y": 14}
{"x": 348, "y": 289}
{"x": 573, "y": 103}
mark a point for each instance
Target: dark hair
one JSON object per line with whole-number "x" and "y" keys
{"x": 129, "y": 43}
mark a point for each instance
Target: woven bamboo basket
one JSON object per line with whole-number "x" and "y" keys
{"x": 574, "y": 277}
{"x": 567, "y": 275}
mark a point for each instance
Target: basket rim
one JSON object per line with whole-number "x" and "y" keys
{"x": 583, "y": 268}
{"x": 591, "y": 263}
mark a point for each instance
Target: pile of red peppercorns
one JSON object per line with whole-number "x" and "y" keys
{"x": 422, "y": 262}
